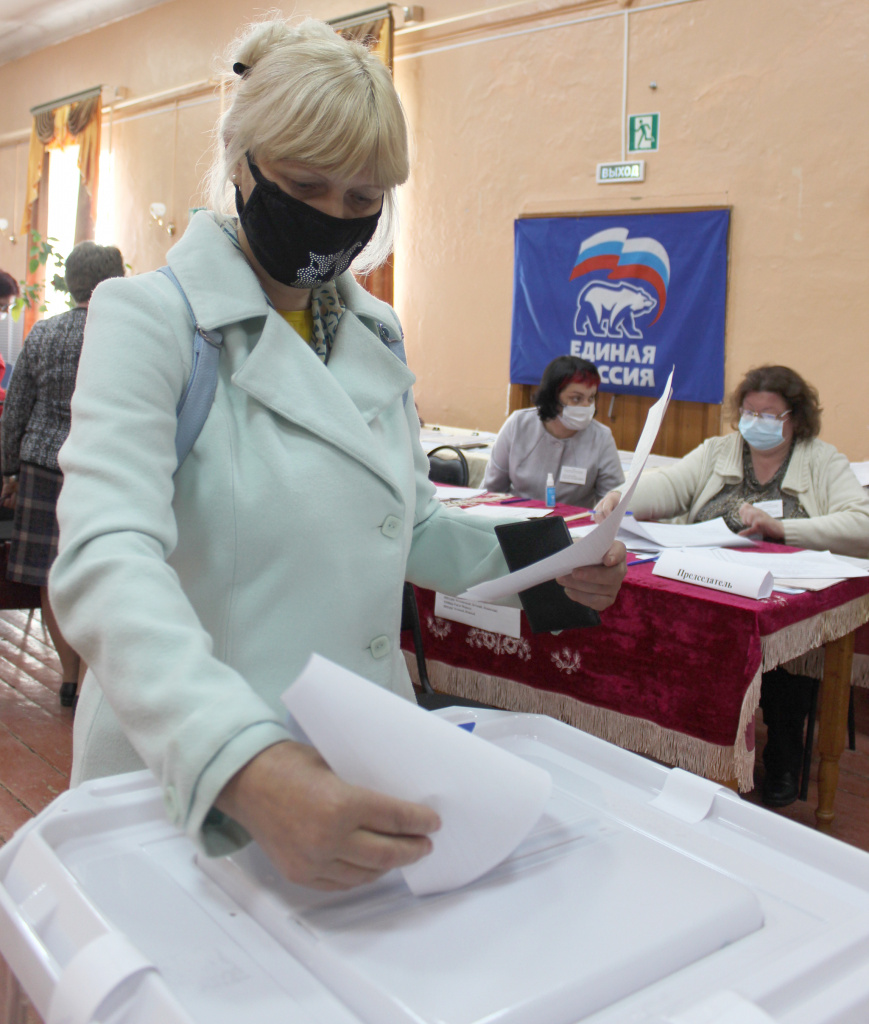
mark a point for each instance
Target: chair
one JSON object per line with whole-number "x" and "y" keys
{"x": 427, "y": 699}
{"x": 410, "y": 620}
{"x": 451, "y": 470}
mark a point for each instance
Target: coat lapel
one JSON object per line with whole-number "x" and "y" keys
{"x": 280, "y": 370}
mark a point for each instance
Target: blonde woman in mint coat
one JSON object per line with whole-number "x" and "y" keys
{"x": 304, "y": 503}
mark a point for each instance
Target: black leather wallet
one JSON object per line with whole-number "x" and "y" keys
{"x": 546, "y": 606}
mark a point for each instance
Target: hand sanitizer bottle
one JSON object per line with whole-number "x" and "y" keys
{"x": 550, "y": 491}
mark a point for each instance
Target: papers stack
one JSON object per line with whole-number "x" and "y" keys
{"x": 655, "y": 537}
{"x": 799, "y": 570}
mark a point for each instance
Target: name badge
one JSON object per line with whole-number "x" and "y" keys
{"x": 573, "y": 474}
{"x": 772, "y": 508}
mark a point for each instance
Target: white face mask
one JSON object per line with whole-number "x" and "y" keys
{"x": 576, "y": 417}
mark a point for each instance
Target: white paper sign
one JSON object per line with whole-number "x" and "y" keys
{"x": 488, "y": 799}
{"x": 573, "y": 474}
{"x": 774, "y": 508}
{"x": 589, "y": 550}
{"x": 494, "y": 618}
{"x": 687, "y": 566}
{"x": 491, "y": 617}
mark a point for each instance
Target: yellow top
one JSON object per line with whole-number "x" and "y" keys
{"x": 301, "y": 320}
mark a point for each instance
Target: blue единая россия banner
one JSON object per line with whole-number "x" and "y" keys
{"x": 635, "y": 294}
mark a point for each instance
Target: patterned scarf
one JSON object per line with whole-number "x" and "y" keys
{"x": 327, "y": 310}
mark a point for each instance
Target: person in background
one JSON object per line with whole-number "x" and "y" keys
{"x": 35, "y": 424}
{"x": 197, "y": 593}
{"x": 9, "y": 292}
{"x": 812, "y": 498}
{"x": 559, "y": 436}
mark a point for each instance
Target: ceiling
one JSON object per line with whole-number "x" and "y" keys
{"x": 29, "y": 25}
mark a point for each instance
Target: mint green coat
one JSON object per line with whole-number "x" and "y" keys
{"x": 289, "y": 528}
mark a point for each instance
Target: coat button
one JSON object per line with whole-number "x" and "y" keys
{"x": 380, "y": 646}
{"x": 391, "y": 526}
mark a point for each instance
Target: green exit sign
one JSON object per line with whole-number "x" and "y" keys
{"x": 643, "y": 133}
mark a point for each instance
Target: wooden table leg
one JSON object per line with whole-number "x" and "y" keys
{"x": 832, "y": 723}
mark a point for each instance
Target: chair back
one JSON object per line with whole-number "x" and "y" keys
{"x": 448, "y": 469}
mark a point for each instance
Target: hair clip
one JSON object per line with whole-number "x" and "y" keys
{"x": 240, "y": 69}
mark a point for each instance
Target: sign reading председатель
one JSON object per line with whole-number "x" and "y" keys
{"x": 624, "y": 171}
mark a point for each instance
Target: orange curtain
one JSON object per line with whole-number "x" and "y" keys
{"x": 377, "y": 36}
{"x": 73, "y": 123}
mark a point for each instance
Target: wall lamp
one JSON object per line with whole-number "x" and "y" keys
{"x": 158, "y": 213}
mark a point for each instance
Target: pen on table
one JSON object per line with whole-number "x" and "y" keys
{"x": 511, "y": 501}
{"x": 641, "y": 561}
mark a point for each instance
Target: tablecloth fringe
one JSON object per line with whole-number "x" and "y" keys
{"x": 637, "y": 734}
{"x": 788, "y": 644}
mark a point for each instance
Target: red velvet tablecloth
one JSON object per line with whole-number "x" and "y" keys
{"x": 672, "y": 671}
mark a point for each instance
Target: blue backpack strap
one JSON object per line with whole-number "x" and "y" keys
{"x": 193, "y": 408}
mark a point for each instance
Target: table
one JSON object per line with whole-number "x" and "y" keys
{"x": 674, "y": 670}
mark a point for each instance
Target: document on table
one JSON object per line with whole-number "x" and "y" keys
{"x": 656, "y": 536}
{"x": 507, "y": 512}
{"x": 590, "y": 549}
{"x": 443, "y": 492}
{"x": 804, "y": 570}
{"x": 488, "y": 799}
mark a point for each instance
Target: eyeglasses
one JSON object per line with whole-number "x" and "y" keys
{"x": 4, "y": 307}
{"x": 767, "y": 417}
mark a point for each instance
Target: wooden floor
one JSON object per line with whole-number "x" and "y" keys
{"x": 36, "y": 741}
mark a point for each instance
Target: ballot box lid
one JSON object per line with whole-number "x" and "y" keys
{"x": 643, "y": 895}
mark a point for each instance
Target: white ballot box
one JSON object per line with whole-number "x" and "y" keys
{"x": 642, "y": 896}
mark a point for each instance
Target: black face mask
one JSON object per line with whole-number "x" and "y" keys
{"x": 294, "y": 243}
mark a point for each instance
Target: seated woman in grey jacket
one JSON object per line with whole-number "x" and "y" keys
{"x": 558, "y": 436}
{"x": 777, "y": 481}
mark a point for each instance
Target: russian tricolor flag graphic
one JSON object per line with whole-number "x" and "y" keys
{"x": 641, "y": 258}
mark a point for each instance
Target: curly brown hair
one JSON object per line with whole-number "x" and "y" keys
{"x": 799, "y": 394}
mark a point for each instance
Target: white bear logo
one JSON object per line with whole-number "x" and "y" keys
{"x": 607, "y": 310}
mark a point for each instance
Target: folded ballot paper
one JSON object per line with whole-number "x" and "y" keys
{"x": 591, "y": 548}
{"x": 487, "y": 798}
{"x": 705, "y": 570}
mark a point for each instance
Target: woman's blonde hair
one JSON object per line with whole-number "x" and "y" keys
{"x": 308, "y": 94}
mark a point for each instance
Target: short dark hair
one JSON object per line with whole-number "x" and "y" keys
{"x": 8, "y": 286}
{"x": 799, "y": 394}
{"x": 563, "y": 370}
{"x": 88, "y": 264}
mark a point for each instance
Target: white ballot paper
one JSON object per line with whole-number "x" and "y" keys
{"x": 704, "y": 570}
{"x": 487, "y": 798}
{"x": 713, "y": 533}
{"x": 799, "y": 564}
{"x": 590, "y": 549}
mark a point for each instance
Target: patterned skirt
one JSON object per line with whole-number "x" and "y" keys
{"x": 35, "y": 532}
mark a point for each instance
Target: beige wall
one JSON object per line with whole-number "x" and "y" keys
{"x": 762, "y": 109}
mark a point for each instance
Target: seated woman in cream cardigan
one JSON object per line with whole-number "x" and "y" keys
{"x": 775, "y": 456}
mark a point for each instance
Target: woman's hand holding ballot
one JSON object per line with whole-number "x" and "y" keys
{"x": 316, "y": 829}
{"x": 597, "y": 586}
{"x": 760, "y": 524}
{"x": 606, "y": 505}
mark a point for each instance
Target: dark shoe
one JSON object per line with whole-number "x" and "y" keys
{"x": 67, "y": 694}
{"x": 779, "y": 789}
